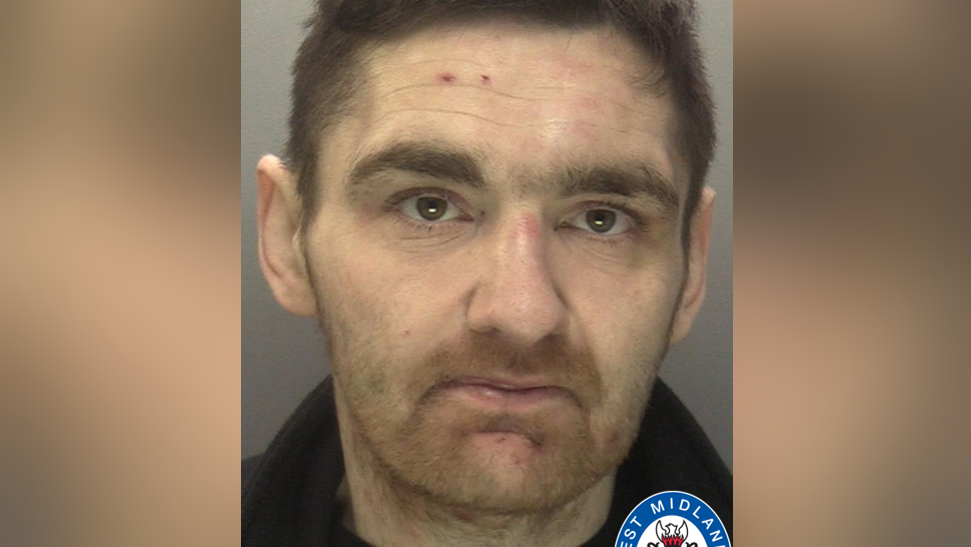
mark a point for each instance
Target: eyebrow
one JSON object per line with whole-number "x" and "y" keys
{"x": 631, "y": 180}
{"x": 437, "y": 160}
{"x": 425, "y": 159}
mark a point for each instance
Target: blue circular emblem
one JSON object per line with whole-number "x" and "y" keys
{"x": 672, "y": 519}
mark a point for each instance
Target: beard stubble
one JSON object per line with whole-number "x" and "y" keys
{"x": 414, "y": 433}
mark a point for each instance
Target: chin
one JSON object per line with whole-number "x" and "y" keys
{"x": 501, "y": 473}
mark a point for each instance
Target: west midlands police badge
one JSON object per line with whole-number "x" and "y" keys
{"x": 672, "y": 519}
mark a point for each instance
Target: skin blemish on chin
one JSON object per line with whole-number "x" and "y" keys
{"x": 486, "y": 79}
{"x": 446, "y": 78}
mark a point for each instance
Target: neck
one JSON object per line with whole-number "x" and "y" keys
{"x": 387, "y": 514}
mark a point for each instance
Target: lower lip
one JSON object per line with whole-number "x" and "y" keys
{"x": 509, "y": 399}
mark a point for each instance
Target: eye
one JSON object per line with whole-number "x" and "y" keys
{"x": 602, "y": 222}
{"x": 428, "y": 208}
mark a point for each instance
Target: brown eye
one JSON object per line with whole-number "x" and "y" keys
{"x": 431, "y": 208}
{"x": 601, "y": 221}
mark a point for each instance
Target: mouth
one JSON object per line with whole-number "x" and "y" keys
{"x": 505, "y": 394}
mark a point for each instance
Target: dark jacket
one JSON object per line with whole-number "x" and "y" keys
{"x": 289, "y": 492}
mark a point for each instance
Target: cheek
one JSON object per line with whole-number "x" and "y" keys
{"x": 626, "y": 315}
{"x": 345, "y": 282}
{"x": 402, "y": 308}
{"x": 615, "y": 425}
{"x": 628, "y": 332}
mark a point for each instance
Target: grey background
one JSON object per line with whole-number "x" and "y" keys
{"x": 283, "y": 356}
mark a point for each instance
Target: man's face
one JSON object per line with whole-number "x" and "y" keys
{"x": 497, "y": 260}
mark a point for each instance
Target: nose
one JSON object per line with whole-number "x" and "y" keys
{"x": 516, "y": 297}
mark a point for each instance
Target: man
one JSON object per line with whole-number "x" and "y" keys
{"x": 496, "y": 212}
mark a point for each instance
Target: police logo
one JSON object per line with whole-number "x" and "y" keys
{"x": 672, "y": 519}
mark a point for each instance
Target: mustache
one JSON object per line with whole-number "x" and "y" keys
{"x": 553, "y": 362}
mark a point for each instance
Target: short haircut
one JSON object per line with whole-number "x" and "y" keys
{"x": 328, "y": 70}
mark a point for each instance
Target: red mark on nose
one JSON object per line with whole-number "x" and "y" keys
{"x": 486, "y": 79}
{"x": 446, "y": 77}
{"x": 529, "y": 227}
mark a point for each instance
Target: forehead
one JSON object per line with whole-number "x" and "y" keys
{"x": 526, "y": 98}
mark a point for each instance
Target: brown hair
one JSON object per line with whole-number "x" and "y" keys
{"x": 327, "y": 71}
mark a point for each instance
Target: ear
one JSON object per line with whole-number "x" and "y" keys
{"x": 696, "y": 283}
{"x": 281, "y": 256}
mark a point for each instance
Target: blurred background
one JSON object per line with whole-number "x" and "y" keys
{"x": 119, "y": 273}
{"x": 850, "y": 359}
{"x": 283, "y": 357}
